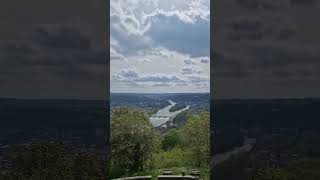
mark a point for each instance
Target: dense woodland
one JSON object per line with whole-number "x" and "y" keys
{"x": 138, "y": 149}
{"x": 53, "y": 160}
{"x": 286, "y": 133}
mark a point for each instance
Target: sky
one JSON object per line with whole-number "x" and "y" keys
{"x": 266, "y": 49}
{"x": 159, "y": 46}
{"x": 53, "y": 49}
{"x": 59, "y": 49}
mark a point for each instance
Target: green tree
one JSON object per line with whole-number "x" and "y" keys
{"x": 132, "y": 139}
{"x": 270, "y": 174}
{"x": 301, "y": 169}
{"x": 171, "y": 139}
{"x": 52, "y": 160}
{"x": 196, "y": 133}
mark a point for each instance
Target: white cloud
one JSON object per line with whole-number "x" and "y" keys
{"x": 162, "y": 68}
{"x": 154, "y": 48}
{"x": 191, "y": 70}
{"x": 135, "y": 16}
{"x": 115, "y": 55}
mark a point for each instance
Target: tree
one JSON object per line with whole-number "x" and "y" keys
{"x": 171, "y": 139}
{"x": 52, "y": 160}
{"x": 197, "y": 137}
{"x": 270, "y": 174}
{"x": 132, "y": 139}
{"x": 301, "y": 169}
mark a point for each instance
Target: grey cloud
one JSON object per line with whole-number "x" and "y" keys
{"x": 59, "y": 51}
{"x": 188, "y": 61}
{"x": 186, "y": 70}
{"x": 197, "y": 79}
{"x": 159, "y": 78}
{"x": 204, "y": 61}
{"x": 281, "y": 54}
{"x": 190, "y": 70}
{"x": 129, "y": 44}
{"x": 53, "y": 49}
{"x": 161, "y": 85}
{"x": 129, "y": 75}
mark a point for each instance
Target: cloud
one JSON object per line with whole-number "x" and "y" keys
{"x": 55, "y": 51}
{"x": 188, "y": 61}
{"x": 125, "y": 43}
{"x": 159, "y": 78}
{"x": 130, "y": 75}
{"x": 190, "y": 70}
{"x": 161, "y": 84}
{"x": 204, "y": 61}
{"x": 171, "y": 24}
{"x": 263, "y": 47}
{"x": 157, "y": 39}
{"x": 163, "y": 66}
{"x": 136, "y": 17}
{"x": 115, "y": 55}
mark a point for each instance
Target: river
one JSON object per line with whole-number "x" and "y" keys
{"x": 247, "y": 145}
{"x": 164, "y": 115}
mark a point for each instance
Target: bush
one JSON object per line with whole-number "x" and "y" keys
{"x": 171, "y": 139}
{"x": 176, "y": 157}
{"x": 132, "y": 139}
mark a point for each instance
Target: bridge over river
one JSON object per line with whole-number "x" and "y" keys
{"x": 164, "y": 115}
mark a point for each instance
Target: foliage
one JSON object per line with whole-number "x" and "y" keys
{"x": 138, "y": 150}
{"x": 196, "y": 134}
{"x": 51, "y": 160}
{"x": 171, "y": 139}
{"x": 234, "y": 168}
{"x": 132, "y": 139}
{"x": 271, "y": 174}
{"x": 181, "y": 118}
{"x": 176, "y": 157}
{"x": 303, "y": 169}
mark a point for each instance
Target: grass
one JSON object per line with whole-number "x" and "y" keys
{"x": 178, "y": 160}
